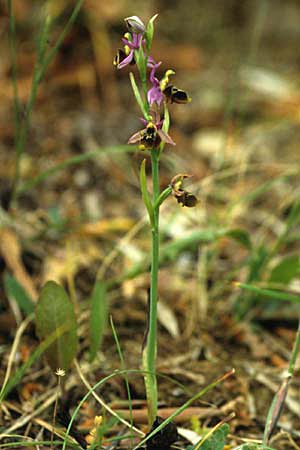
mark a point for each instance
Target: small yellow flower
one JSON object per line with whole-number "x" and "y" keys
{"x": 98, "y": 420}
{"x": 91, "y": 438}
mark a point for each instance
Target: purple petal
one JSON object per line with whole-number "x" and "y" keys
{"x": 126, "y": 61}
{"x": 136, "y": 39}
{"x": 155, "y": 95}
{"x": 144, "y": 121}
{"x": 152, "y": 76}
{"x": 150, "y": 62}
{"x": 165, "y": 137}
{"x": 127, "y": 42}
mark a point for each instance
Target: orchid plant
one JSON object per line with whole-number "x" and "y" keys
{"x": 153, "y": 98}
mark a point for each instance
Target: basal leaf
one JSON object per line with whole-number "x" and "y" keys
{"x": 15, "y": 290}
{"x": 98, "y": 318}
{"x": 54, "y": 312}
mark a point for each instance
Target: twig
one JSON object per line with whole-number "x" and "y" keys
{"x": 102, "y": 403}
{"x": 14, "y": 349}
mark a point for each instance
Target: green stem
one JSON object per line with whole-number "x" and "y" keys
{"x": 151, "y": 344}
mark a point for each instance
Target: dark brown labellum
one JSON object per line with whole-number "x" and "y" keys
{"x": 149, "y": 137}
{"x": 182, "y": 196}
{"x": 186, "y": 199}
{"x": 175, "y": 95}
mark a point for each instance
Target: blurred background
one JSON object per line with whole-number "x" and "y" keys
{"x": 79, "y": 212}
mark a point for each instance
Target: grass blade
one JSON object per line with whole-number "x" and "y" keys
{"x": 78, "y": 159}
{"x": 275, "y": 295}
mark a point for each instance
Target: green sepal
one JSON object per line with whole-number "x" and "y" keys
{"x": 149, "y": 33}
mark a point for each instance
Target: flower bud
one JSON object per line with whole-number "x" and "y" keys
{"x": 135, "y": 25}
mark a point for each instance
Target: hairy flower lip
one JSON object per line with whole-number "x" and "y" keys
{"x": 152, "y": 135}
{"x": 135, "y": 24}
{"x": 175, "y": 95}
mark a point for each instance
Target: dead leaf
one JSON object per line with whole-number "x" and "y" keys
{"x": 105, "y": 226}
{"x": 11, "y": 252}
{"x": 67, "y": 260}
{"x": 29, "y": 389}
{"x": 168, "y": 319}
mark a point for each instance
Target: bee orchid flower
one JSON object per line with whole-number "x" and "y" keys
{"x": 152, "y": 135}
{"x": 131, "y": 43}
{"x": 155, "y": 93}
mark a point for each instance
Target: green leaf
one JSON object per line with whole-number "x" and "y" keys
{"x": 241, "y": 236}
{"x": 15, "y": 290}
{"x": 98, "y": 317}
{"x": 287, "y": 269}
{"x": 55, "y": 311}
{"x": 217, "y": 440}
{"x": 162, "y": 196}
{"x": 262, "y": 293}
{"x": 138, "y": 96}
{"x": 149, "y": 33}
{"x": 145, "y": 193}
